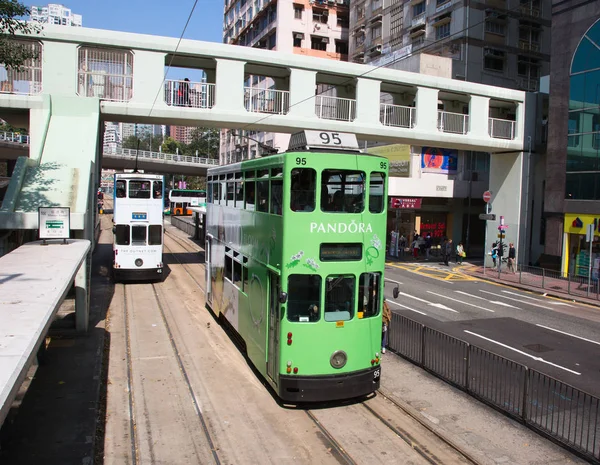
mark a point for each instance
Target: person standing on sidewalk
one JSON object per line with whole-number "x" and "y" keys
{"x": 386, "y": 318}
{"x": 428, "y": 243}
{"x": 460, "y": 253}
{"x": 415, "y": 247}
{"x": 512, "y": 255}
{"x": 447, "y": 252}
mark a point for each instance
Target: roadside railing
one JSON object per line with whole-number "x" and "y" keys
{"x": 257, "y": 100}
{"x": 501, "y": 128}
{"x": 14, "y": 137}
{"x": 555, "y": 409}
{"x": 456, "y": 123}
{"x": 336, "y": 108}
{"x": 549, "y": 280}
{"x": 189, "y": 94}
{"x": 172, "y": 157}
{"x": 397, "y": 115}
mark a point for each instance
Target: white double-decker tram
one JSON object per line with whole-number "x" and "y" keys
{"x": 138, "y": 226}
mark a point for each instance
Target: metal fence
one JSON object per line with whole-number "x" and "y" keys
{"x": 273, "y": 101}
{"x": 456, "y": 123}
{"x": 184, "y": 93}
{"x": 549, "y": 280}
{"x": 341, "y": 109}
{"x": 105, "y": 73}
{"x": 397, "y": 115}
{"x": 553, "y": 408}
{"x": 501, "y": 128}
{"x": 14, "y": 137}
{"x": 28, "y": 79}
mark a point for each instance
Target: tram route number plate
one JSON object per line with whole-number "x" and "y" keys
{"x": 376, "y": 374}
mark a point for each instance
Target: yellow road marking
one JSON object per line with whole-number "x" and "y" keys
{"x": 433, "y": 273}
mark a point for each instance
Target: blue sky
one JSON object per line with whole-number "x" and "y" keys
{"x": 162, "y": 18}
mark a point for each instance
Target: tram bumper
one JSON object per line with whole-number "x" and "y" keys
{"x": 329, "y": 387}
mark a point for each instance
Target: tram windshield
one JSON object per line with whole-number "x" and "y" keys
{"x": 304, "y": 296}
{"x": 139, "y": 189}
{"x": 339, "y": 297}
{"x": 342, "y": 191}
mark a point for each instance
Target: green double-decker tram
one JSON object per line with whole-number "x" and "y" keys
{"x": 295, "y": 255}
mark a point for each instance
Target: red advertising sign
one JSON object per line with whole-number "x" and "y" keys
{"x": 405, "y": 202}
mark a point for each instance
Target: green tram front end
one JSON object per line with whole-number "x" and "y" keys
{"x": 295, "y": 259}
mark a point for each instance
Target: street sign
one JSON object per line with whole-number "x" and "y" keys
{"x": 502, "y": 227}
{"x": 487, "y": 196}
{"x": 487, "y": 217}
{"x": 501, "y": 235}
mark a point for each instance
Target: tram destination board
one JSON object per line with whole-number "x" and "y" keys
{"x": 337, "y": 252}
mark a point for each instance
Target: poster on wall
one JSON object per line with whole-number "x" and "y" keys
{"x": 398, "y": 155}
{"x": 441, "y": 161}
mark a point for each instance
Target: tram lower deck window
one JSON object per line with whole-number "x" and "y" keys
{"x": 154, "y": 234}
{"x": 138, "y": 235}
{"x": 304, "y": 298}
{"x": 122, "y": 234}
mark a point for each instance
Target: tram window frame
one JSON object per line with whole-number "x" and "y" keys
{"x": 138, "y": 228}
{"x": 276, "y": 197}
{"x": 376, "y": 208}
{"x": 347, "y": 283}
{"x": 230, "y": 197}
{"x": 249, "y": 190}
{"x": 237, "y": 273}
{"x": 209, "y": 191}
{"x": 239, "y": 194}
{"x": 304, "y": 294}
{"x": 245, "y": 285}
{"x": 154, "y": 234}
{"x": 344, "y": 202}
{"x": 303, "y": 200}
{"x": 121, "y": 188}
{"x": 140, "y": 189}
{"x": 228, "y": 268}
{"x": 122, "y": 234}
{"x": 370, "y": 300}
{"x": 262, "y": 194}
{"x": 157, "y": 189}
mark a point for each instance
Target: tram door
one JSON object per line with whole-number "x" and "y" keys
{"x": 273, "y": 351}
{"x": 208, "y": 268}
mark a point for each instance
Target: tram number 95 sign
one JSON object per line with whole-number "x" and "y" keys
{"x": 327, "y": 139}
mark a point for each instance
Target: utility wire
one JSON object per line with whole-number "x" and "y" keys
{"x": 350, "y": 80}
{"x": 161, "y": 87}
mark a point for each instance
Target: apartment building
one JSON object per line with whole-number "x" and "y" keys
{"x": 316, "y": 28}
{"x": 54, "y": 13}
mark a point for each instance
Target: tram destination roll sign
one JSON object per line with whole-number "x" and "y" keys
{"x": 54, "y": 222}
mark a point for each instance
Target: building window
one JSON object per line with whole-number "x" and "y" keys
{"x": 298, "y": 36}
{"x": 396, "y": 21}
{"x": 441, "y": 2}
{"x": 360, "y": 11}
{"x": 528, "y": 67}
{"x": 442, "y": 31}
{"x": 418, "y": 9}
{"x": 376, "y": 32}
{"x": 320, "y": 16}
{"x": 493, "y": 59}
{"x": 495, "y": 27}
{"x": 318, "y": 43}
{"x": 341, "y": 47}
{"x": 359, "y": 40}
{"x": 342, "y": 21}
{"x": 298, "y": 11}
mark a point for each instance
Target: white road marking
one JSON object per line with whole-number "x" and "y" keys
{"x": 523, "y": 296}
{"x": 516, "y": 300}
{"x": 460, "y": 301}
{"x": 560, "y": 303}
{"x": 442, "y": 306}
{"x": 538, "y": 359}
{"x": 407, "y": 308}
{"x": 490, "y": 301}
{"x": 569, "y": 334}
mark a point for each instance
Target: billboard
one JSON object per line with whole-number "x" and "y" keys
{"x": 399, "y": 157}
{"x": 441, "y": 161}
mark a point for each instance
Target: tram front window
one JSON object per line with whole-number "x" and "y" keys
{"x": 139, "y": 189}
{"x": 138, "y": 235}
{"x": 368, "y": 294}
{"x": 339, "y": 297}
{"x": 342, "y": 191}
{"x": 304, "y": 297}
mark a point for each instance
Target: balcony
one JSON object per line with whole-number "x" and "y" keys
{"x": 340, "y": 109}
{"x": 189, "y": 94}
{"x": 455, "y": 123}
{"x": 530, "y": 10}
{"x": 501, "y": 128}
{"x": 529, "y": 85}
{"x": 418, "y": 20}
{"x": 276, "y": 102}
{"x": 529, "y": 45}
{"x": 397, "y": 116}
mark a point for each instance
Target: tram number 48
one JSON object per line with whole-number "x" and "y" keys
{"x": 376, "y": 375}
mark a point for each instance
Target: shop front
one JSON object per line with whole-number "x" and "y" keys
{"x": 577, "y": 253}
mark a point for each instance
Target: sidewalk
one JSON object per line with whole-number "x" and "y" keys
{"x": 528, "y": 279}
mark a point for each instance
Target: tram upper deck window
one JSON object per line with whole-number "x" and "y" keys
{"x": 139, "y": 189}
{"x": 339, "y": 297}
{"x": 122, "y": 234}
{"x": 262, "y": 191}
{"x": 342, "y": 191}
{"x": 138, "y": 235}
{"x": 154, "y": 234}
{"x": 121, "y": 189}
{"x": 276, "y": 191}
{"x": 157, "y": 191}
{"x": 302, "y": 197}
{"x": 376, "y": 191}
{"x": 304, "y": 298}
{"x": 369, "y": 294}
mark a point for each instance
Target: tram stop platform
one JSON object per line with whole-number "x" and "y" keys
{"x": 34, "y": 280}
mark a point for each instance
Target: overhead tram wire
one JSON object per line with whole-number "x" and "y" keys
{"x": 161, "y": 87}
{"x": 348, "y": 81}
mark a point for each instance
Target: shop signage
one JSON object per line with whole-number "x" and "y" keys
{"x": 406, "y": 202}
{"x": 435, "y": 229}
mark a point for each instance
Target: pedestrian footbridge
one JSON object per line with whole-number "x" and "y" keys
{"x": 83, "y": 77}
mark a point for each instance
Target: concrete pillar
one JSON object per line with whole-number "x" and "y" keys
{"x": 148, "y": 78}
{"x": 367, "y": 101}
{"x": 229, "y": 94}
{"x": 427, "y": 113}
{"x": 479, "y": 110}
{"x": 302, "y": 93}
{"x": 59, "y": 68}
{"x": 82, "y": 304}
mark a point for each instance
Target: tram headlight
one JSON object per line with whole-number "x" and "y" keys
{"x": 139, "y": 262}
{"x": 338, "y": 359}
